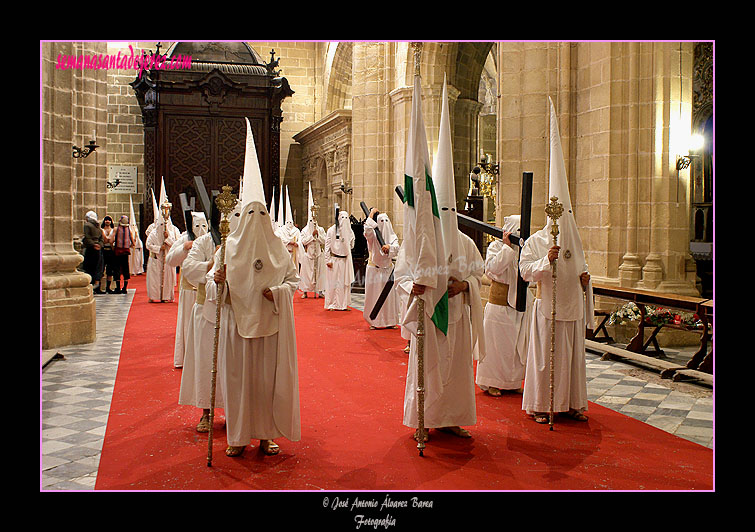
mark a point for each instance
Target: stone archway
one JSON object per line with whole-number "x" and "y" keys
{"x": 326, "y": 148}
{"x": 337, "y": 79}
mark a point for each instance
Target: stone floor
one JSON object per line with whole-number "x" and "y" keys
{"x": 77, "y": 386}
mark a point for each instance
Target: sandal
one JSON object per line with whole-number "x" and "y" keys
{"x": 204, "y": 424}
{"x": 234, "y": 451}
{"x": 495, "y": 392}
{"x": 540, "y": 417}
{"x": 456, "y": 431}
{"x": 576, "y": 414}
{"x": 269, "y": 447}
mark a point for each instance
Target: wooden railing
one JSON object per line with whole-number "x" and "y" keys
{"x": 702, "y": 359}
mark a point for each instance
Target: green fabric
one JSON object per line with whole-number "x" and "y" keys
{"x": 440, "y": 315}
{"x": 440, "y": 312}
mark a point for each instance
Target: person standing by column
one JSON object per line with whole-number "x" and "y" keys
{"x": 94, "y": 263}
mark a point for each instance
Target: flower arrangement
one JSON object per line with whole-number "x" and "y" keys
{"x": 655, "y": 316}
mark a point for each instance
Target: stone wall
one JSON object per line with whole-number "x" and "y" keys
{"x": 74, "y": 110}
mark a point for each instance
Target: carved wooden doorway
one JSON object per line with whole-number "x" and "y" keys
{"x": 194, "y": 120}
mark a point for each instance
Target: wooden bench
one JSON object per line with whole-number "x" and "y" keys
{"x": 702, "y": 359}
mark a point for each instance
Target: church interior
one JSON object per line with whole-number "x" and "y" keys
{"x": 118, "y": 119}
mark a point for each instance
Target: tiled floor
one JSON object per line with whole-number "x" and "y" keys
{"x": 77, "y": 389}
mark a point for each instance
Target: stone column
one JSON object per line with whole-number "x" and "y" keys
{"x": 370, "y": 150}
{"x": 465, "y": 146}
{"x": 634, "y": 114}
{"x": 667, "y": 265}
{"x": 527, "y": 74}
{"x": 74, "y": 108}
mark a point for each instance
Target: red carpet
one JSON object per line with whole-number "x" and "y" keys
{"x": 351, "y": 389}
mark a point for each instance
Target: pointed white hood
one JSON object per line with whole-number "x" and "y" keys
{"x": 310, "y": 202}
{"x": 571, "y": 260}
{"x": 280, "y": 214}
{"x": 155, "y": 209}
{"x": 309, "y": 228}
{"x": 271, "y": 210}
{"x": 445, "y": 188}
{"x": 256, "y": 258}
{"x": 159, "y": 217}
{"x": 131, "y": 218}
{"x": 288, "y": 232}
{"x": 289, "y": 214}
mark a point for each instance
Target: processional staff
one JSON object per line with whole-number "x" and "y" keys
{"x": 420, "y": 321}
{"x": 554, "y": 210}
{"x": 226, "y": 202}
{"x": 165, "y": 212}
{"x": 314, "y": 210}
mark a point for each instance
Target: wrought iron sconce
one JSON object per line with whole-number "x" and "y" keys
{"x": 683, "y": 161}
{"x": 488, "y": 177}
{"x": 82, "y": 153}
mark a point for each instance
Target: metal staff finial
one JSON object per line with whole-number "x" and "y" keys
{"x": 417, "y": 56}
{"x": 315, "y": 208}
{"x": 553, "y": 210}
{"x": 226, "y": 202}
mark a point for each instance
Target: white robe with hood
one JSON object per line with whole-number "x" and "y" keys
{"x": 574, "y": 305}
{"x": 505, "y": 328}
{"x": 449, "y": 358}
{"x": 341, "y": 275}
{"x": 378, "y": 271}
{"x": 196, "y": 375}
{"x": 311, "y": 253}
{"x": 187, "y": 291}
{"x": 158, "y": 247}
{"x": 257, "y": 359}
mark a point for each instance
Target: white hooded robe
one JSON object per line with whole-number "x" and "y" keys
{"x": 158, "y": 246}
{"x": 311, "y": 257}
{"x": 378, "y": 271}
{"x": 338, "y": 253}
{"x": 505, "y": 328}
{"x": 449, "y": 358}
{"x": 257, "y": 359}
{"x": 187, "y": 292}
{"x": 574, "y": 305}
{"x": 196, "y": 375}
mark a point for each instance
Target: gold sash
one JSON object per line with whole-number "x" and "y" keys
{"x": 499, "y": 293}
{"x": 186, "y": 285}
{"x": 538, "y": 294}
{"x": 200, "y": 294}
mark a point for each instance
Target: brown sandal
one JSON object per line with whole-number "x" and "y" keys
{"x": 576, "y": 414}
{"x": 234, "y": 451}
{"x": 204, "y": 424}
{"x": 456, "y": 431}
{"x": 269, "y": 447}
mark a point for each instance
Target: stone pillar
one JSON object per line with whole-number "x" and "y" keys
{"x": 466, "y": 150}
{"x": 635, "y": 114}
{"x": 432, "y": 69}
{"x": 667, "y": 265}
{"x": 527, "y": 74}
{"x": 370, "y": 153}
{"x": 74, "y": 109}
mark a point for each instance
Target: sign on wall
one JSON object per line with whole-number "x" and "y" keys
{"x": 121, "y": 179}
